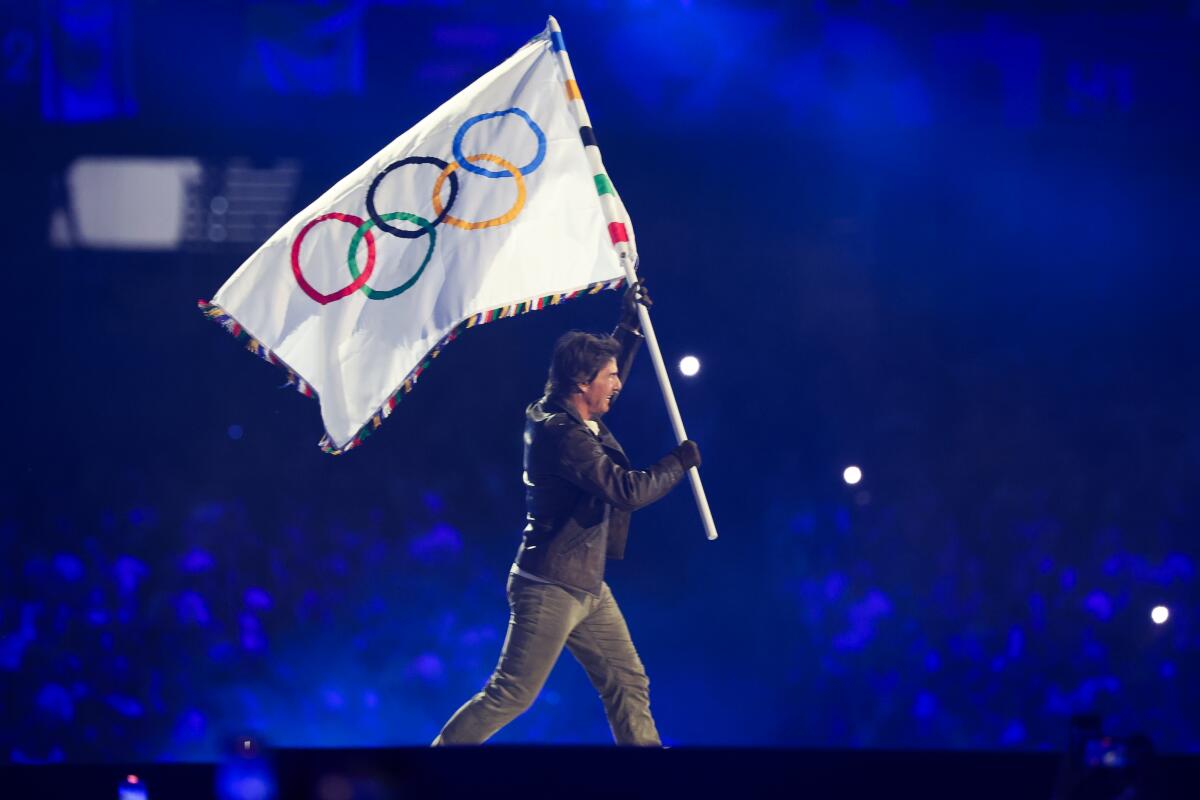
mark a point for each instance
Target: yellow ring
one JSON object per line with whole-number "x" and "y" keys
{"x": 508, "y": 216}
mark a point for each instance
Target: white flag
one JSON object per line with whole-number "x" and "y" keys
{"x": 486, "y": 208}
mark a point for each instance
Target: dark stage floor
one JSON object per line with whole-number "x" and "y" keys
{"x": 585, "y": 772}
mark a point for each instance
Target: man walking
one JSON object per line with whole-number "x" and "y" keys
{"x": 579, "y": 491}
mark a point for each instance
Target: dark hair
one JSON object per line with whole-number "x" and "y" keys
{"x": 578, "y": 358}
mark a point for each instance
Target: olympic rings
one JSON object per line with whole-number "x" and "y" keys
{"x": 380, "y": 221}
{"x": 507, "y": 216}
{"x": 489, "y": 173}
{"x": 359, "y": 280}
{"x": 365, "y": 230}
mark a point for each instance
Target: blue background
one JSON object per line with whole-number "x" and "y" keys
{"x": 953, "y": 245}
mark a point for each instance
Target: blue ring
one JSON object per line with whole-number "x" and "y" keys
{"x": 491, "y": 173}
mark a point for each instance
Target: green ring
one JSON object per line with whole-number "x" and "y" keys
{"x": 352, "y": 261}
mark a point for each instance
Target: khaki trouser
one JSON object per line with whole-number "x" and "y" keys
{"x": 544, "y": 618}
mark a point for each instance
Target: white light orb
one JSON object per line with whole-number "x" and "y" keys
{"x": 689, "y": 365}
{"x": 1160, "y": 614}
{"x": 852, "y": 474}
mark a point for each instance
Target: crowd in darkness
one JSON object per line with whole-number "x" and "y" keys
{"x": 982, "y": 601}
{"x": 116, "y": 637}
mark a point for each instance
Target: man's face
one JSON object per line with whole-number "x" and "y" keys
{"x": 598, "y": 395}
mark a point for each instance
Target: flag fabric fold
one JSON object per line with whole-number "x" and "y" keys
{"x": 485, "y": 209}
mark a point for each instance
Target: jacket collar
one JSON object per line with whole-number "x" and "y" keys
{"x": 553, "y": 405}
{"x": 546, "y": 406}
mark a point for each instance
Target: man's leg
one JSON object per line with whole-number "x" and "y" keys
{"x": 601, "y": 643}
{"x": 542, "y": 617}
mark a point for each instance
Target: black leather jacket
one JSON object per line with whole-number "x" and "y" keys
{"x": 580, "y": 490}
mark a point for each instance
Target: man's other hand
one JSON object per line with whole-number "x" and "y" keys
{"x": 688, "y": 454}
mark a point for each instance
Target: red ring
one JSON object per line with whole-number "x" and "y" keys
{"x": 357, "y": 283}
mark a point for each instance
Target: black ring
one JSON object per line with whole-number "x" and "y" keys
{"x": 403, "y": 234}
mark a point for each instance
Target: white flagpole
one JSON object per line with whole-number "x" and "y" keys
{"x": 620, "y": 232}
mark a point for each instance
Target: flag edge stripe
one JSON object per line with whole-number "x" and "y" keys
{"x": 223, "y": 318}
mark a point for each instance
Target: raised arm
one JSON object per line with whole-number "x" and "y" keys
{"x": 628, "y": 332}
